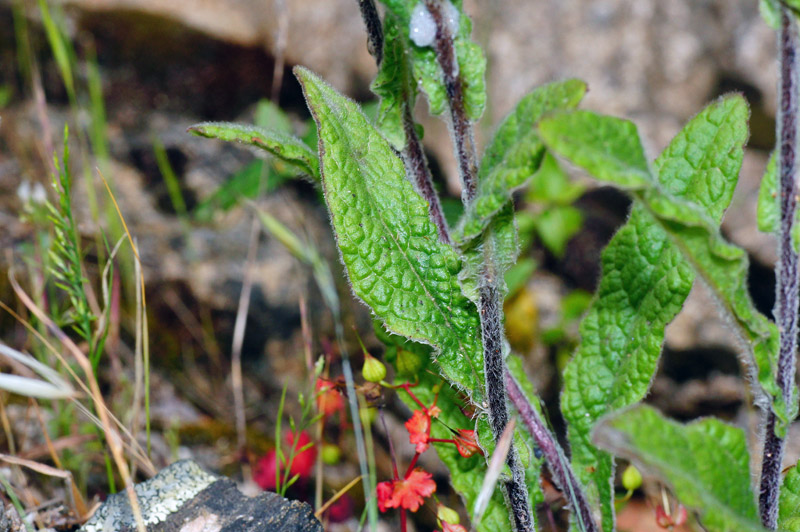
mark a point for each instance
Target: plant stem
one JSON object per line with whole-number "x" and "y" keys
{"x": 372, "y": 21}
{"x": 787, "y": 268}
{"x": 556, "y": 460}
{"x": 417, "y": 168}
{"x": 490, "y": 305}
{"x": 464, "y": 139}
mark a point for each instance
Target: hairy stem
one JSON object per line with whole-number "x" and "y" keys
{"x": 490, "y": 304}
{"x": 787, "y": 271}
{"x": 372, "y": 21}
{"x": 490, "y": 307}
{"x": 464, "y": 139}
{"x": 556, "y": 460}
{"x": 417, "y": 169}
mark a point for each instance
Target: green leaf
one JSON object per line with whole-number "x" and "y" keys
{"x": 771, "y": 12}
{"x": 426, "y": 70}
{"x": 390, "y": 248}
{"x": 282, "y": 145}
{"x": 608, "y": 148}
{"x": 646, "y": 273}
{"x": 500, "y": 244}
{"x": 395, "y": 83}
{"x": 769, "y": 210}
{"x": 514, "y": 154}
{"x": 789, "y": 505}
{"x": 769, "y": 205}
{"x": 550, "y": 185}
{"x": 557, "y": 225}
{"x": 706, "y": 463}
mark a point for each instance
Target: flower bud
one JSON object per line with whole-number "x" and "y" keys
{"x": 331, "y": 454}
{"x": 373, "y": 369}
{"x": 446, "y": 514}
{"x": 631, "y": 478}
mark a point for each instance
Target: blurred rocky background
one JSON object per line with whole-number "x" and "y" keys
{"x": 167, "y": 65}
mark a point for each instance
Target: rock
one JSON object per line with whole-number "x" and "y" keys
{"x": 185, "y": 498}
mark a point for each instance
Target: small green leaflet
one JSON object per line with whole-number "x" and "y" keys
{"x": 789, "y": 505}
{"x": 394, "y": 84}
{"x": 390, "y": 248}
{"x": 771, "y": 11}
{"x": 514, "y": 154}
{"x": 706, "y": 463}
{"x": 282, "y": 145}
{"x": 425, "y": 67}
{"x": 769, "y": 205}
{"x": 648, "y": 265}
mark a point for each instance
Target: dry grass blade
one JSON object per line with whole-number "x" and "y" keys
{"x": 336, "y": 497}
{"x": 493, "y": 473}
{"x": 52, "y": 387}
{"x": 112, "y": 436}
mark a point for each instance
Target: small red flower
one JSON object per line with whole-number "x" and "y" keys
{"x": 407, "y": 493}
{"x": 450, "y": 527}
{"x": 341, "y": 510}
{"x": 467, "y": 443}
{"x": 303, "y": 463}
{"x": 419, "y": 430}
{"x": 329, "y": 399}
{"x": 677, "y": 518}
{"x": 264, "y": 474}
{"x": 385, "y": 490}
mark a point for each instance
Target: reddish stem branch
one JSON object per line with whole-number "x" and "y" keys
{"x": 417, "y": 168}
{"x": 556, "y": 460}
{"x": 464, "y": 139}
{"x": 788, "y": 283}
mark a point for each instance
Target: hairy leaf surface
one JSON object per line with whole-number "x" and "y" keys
{"x": 395, "y": 83}
{"x": 514, "y": 154}
{"x": 280, "y": 144}
{"x": 706, "y": 463}
{"x": 390, "y": 248}
{"x": 789, "y": 505}
{"x": 647, "y": 270}
{"x": 607, "y": 147}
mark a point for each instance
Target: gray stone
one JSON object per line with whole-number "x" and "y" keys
{"x": 185, "y": 498}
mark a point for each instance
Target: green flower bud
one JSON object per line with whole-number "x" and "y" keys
{"x": 631, "y": 478}
{"x": 331, "y": 454}
{"x": 373, "y": 370}
{"x": 446, "y": 514}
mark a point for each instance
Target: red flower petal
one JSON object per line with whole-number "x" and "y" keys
{"x": 411, "y": 491}
{"x": 448, "y": 527}
{"x": 329, "y": 400}
{"x": 303, "y": 463}
{"x": 264, "y": 474}
{"x": 467, "y": 443}
{"x": 385, "y": 490}
{"x": 419, "y": 430}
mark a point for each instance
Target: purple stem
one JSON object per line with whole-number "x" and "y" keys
{"x": 490, "y": 303}
{"x": 372, "y": 21}
{"x": 466, "y": 152}
{"x": 417, "y": 168}
{"x": 559, "y": 466}
{"x": 787, "y": 271}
